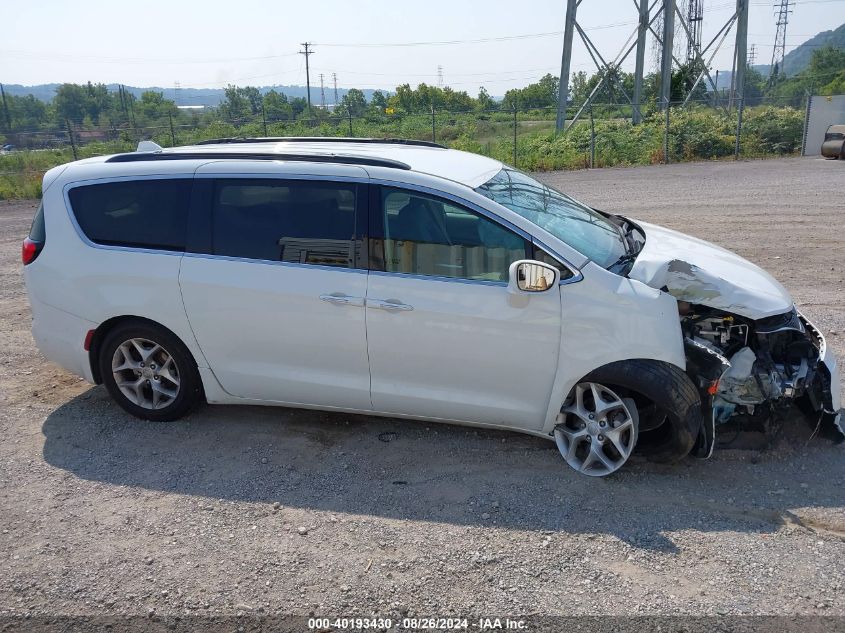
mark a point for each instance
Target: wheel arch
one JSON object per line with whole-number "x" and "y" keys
{"x": 108, "y": 325}
{"x": 663, "y": 384}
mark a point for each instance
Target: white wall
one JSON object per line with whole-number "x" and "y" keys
{"x": 823, "y": 112}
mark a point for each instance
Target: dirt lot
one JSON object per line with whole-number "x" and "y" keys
{"x": 281, "y": 511}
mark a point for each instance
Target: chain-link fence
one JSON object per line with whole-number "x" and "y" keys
{"x": 523, "y": 137}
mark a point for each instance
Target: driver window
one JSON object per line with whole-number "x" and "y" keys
{"x": 425, "y": 235}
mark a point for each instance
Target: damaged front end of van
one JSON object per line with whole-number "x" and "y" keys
{"x": 752, "y": 355}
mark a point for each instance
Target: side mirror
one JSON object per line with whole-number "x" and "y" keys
{"x": 528, "y": 275}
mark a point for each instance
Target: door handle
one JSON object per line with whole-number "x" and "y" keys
{"x": 391, "y": 305}
{"x": 342, "y": 299}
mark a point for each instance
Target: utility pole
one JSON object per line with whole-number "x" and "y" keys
{"x": 307, "y": 52}
{"x": 6, "y": 110}
{"x": 334, "y": 79}
{"x": 741, "y": 52}
{"x": 741, "y": 55}
{"x": 122, "y": 92}
{"x": 322, "y": 93}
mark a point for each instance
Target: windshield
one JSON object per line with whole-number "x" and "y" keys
{"x": 585, "y": 230}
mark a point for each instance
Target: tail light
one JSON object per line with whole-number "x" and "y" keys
{"x": 34, "y": 242}
{"x": 30, "y": 250}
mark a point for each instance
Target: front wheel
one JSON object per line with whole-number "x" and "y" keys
{"x": 597, "y": 430}
{"x": 661, "y": 401}
{"x": 149, "y": 372}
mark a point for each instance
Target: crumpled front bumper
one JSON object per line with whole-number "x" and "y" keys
{"x": 828, "y": 360}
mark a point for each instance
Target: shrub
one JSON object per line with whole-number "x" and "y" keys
{"x": 776, "y": 130}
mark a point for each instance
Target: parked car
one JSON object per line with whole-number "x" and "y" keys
{"x": 834, "y": 142}
{"x": 8, "y": 147}
{"x": 403, "y": 279}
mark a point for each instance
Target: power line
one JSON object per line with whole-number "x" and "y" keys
{"x": 42, "y": 56}
{"x": 504, "y": 38}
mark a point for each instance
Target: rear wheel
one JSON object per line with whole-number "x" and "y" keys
{"x": 149, "y": 372}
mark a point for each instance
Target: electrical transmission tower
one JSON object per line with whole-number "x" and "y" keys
{"x": 752, "y": 55}
{"x": 322, "y": 93}
{"x": 307, "y": 52}
{"x": 650, "y": 13}
{"x": 177, "y": 92}
{"x": 695, "y": 19}
{"x": 782, "y": 10}
{"x": 440, "y": 77}
{"x": 334, "y": 79}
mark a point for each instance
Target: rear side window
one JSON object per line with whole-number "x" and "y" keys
{"x": 140, "y": 213}
{"x": 38, "y": 232}
{"x": 301, "y": 222}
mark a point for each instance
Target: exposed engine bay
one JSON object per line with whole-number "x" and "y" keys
{"x": 754, "y": 371}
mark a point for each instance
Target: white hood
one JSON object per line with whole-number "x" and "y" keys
{"x": 700, "y": 272}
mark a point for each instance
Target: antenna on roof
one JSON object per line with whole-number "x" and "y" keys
{"x": 148, "y": 146}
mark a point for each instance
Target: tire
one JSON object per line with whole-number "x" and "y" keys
{"x": 178, "y": 387}
{"x": 673, "y": 394}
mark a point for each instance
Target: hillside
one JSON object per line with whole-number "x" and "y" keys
{"x": 187, "y": 96}
{"x": 797, "y": 59}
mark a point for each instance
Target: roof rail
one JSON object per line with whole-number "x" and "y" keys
{"x": 342, "y": 159}
{"x": 319, "y": 139}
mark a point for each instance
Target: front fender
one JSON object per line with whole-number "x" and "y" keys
{"x": 608, "y": 318}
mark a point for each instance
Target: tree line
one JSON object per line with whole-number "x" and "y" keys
{"x": 94, "y": 106}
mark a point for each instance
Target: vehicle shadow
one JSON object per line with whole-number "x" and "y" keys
{"x": 398, "y": 469}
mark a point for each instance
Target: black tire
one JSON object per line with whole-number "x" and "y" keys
{"x": 671, "y": 391}
{"x": 190, "y": 385}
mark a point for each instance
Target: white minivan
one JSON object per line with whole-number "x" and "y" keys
{"x": 404, "y": 279}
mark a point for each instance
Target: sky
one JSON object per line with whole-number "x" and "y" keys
{"x": 368, "y": 44}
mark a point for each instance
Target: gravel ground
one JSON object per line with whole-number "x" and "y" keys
{"x": 256, "y": 510}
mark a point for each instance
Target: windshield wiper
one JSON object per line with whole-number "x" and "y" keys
{"x": 626, "y": 230}
{"x": 623, "y": 265}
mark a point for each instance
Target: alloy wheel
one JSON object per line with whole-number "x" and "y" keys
{"x": 597, "y": 430}
{"x": 145, "y": 373}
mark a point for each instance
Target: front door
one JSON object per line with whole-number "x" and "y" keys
{"x": 276, "y": 298}
{"x": 446, "y": 338}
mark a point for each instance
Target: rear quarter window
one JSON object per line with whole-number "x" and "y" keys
{"x": 38, "y": 231}
{"x": 138, "y": 213}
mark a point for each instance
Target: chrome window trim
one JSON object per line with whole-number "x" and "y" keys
{"x": 268, "y": 262}
{"x": 441, "y": 278}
